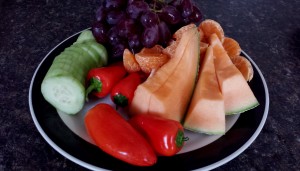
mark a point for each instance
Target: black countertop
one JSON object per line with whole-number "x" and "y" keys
{"x": 268, "y": 31}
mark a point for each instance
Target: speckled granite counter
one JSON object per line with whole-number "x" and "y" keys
{"x": 269, "y": 31}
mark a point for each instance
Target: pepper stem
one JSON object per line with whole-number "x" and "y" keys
{"x": 120, "y": 100}
{"x": 94, "y": 85}
{"x": 180, "y": 139}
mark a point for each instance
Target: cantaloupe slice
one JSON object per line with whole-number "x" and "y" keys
{"x": 167, "y": 91}
{"x": 238, "y": 96}
{"x": 206, "y": 112}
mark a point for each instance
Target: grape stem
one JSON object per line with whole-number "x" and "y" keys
{"x": 154, "y": 6}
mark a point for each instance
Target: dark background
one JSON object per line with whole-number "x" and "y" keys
{"x": 267, "y": 30}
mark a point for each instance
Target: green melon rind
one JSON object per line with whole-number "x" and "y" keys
{"x": 239, "y": 111}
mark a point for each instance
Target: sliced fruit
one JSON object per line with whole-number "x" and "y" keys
{"x": 155, "y": 49}
{"x": 171, "y": 48}
{"x": 237, "y": 94}
{"x": 85, "y": 36}
{"x": 203, "y": 47}
{"x": 81, "y": 54}
{"x": 201, "y": 35}
{"x": 206, "y": 111}
{"x": 179, "y": 33}
{"x": 129, "y": 62}
{"x": 101, "y": 50}
{"x": 167, "y": 91}
{"x": 210, "y": 27}
{"x": 244, "y": 66}
{"x": 63, "y": 85}
{"x": 151, "y": 58}
{"x": 232, "y": 47}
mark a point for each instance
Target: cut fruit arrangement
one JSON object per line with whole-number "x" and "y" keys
{"x": 154, "y": 62}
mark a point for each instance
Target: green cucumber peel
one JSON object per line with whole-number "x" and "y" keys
{"x": 85, "y": 36}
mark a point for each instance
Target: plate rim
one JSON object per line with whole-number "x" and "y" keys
{"x": 92, "y": 167}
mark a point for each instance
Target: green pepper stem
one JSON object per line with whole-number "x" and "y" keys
{"x": 94, "y": 85}
{"x": 120, "y": 100}
{"x": 186, "y": 138}
{"x": 180, "y": 139}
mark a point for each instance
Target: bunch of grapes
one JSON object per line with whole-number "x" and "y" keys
{"x": 135, "y": 24}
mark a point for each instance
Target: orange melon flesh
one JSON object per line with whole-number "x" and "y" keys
{"x": 167, "y": 91}
{"x": 238, "y": 96}
{"x": 206, "y": 111}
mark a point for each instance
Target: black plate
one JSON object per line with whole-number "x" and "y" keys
{"x": 66, "y": 142}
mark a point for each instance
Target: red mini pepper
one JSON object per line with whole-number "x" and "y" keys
{"x": 115, "y": 136}
{"x": 123, "y": 92}
{"x": 166, "y": 136}
{"x": 101, "y": 80}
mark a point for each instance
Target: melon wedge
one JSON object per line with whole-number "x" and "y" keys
{"x": 238, "y": 96}
{"x": 167, "y": 91}
{"x": 206, "y": 111}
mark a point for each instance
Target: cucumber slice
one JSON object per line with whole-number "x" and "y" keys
{"x": 92, "y": 52}
{"x": 60, "y": 68}
{"x": 85, "y": 63}
{"x": 63, "y": 85}
{"x": 85, "y": 36}
{"x": 65, "y": 93}
{"x": 80, "y": 52}
{"x": 100, "y": 49}
{"x": 84, "y": 49}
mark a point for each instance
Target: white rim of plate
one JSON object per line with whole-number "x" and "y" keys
{"x": 92, "y": 167}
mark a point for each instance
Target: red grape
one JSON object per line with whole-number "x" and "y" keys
{"x": 126, "y": 27}
{"x": 187, "y": 8}
{"x": 149, "y": 19}
{"x": 196, "y": 16}
{"x": 100, "y": 14}
{"x": 117, "y": 51}
{"x": 170, "y": 15}
{"x": 136, "y": 8}
{"x": 135, "y": 24}
{"x": 113, "y": 36}
{"x": 99, "y": 30}
{"x": 150, "y": 36}
{"x": 164, "y": 33}
{"x": 113, "y": 17}
{"x": 134, "y": 43}
{"x": 176, "y": 3}
{"x": 114, "y": 4}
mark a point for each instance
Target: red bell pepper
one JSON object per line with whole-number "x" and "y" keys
{"x": 123, "y": 92}
{"x": 115, "y": 136}
{"x": 100, "y": 81}
{"x": 166, "y": 136}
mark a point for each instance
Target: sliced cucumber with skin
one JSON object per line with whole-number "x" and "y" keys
{"x": 64, "y": 67}
{"x": 101, "y": 51}
{"x": 85, "y": 36}
{"x": 84, "y": 51}
{"x": 64, "y": 92}
{"x": 86, "y": 63}
{"x": 63, "y": 86}
{"x": 92, "y": 52}
{"x": 80, "y": 52}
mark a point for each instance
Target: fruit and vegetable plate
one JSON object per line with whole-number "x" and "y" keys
{"x": 150, "y": 85}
